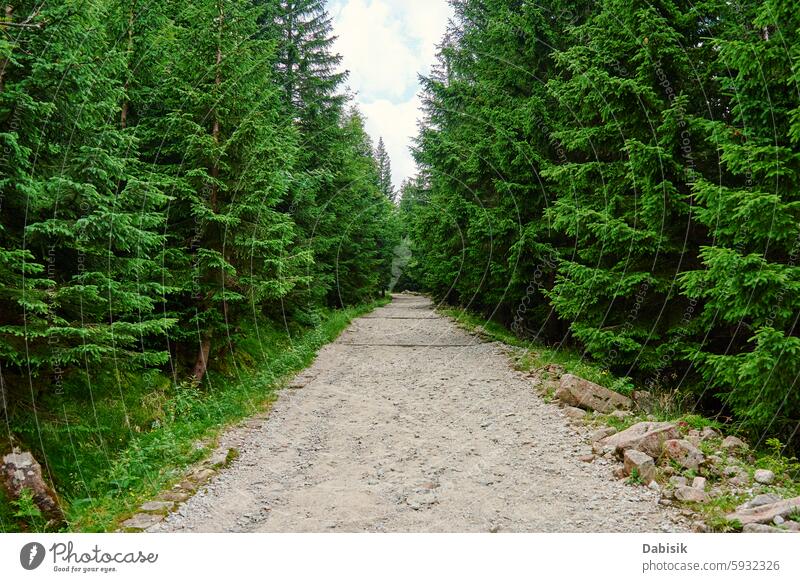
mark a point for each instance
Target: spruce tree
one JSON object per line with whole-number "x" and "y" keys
{"x": 628, "y": 86}
{"x": 748, "y": 278}
{"x": 384, "y": 171}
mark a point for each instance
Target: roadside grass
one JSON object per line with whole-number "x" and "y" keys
{"x": 134, "y": 436}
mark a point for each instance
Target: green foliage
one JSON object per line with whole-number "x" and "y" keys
{"x": 622, "y": 179}
{"x": 184, "y": 189}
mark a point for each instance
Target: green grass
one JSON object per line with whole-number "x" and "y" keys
{"x": 136, "y": 435}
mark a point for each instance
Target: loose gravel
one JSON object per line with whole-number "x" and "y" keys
{"x": 407, "y": 423}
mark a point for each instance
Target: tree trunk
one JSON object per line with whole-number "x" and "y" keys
{"x": 201, "y": 364}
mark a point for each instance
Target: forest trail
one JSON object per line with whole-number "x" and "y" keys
{"x": 409, "y": 424}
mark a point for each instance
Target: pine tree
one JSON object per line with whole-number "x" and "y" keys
{"x": 384, "y": 171}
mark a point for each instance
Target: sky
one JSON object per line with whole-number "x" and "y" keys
{"x": 385, "y": 44}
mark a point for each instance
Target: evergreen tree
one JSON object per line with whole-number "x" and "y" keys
{"x": 75, "y": 209}
{"x": 622, "y": 195}
{"x": 384, "y": 171}
{"x": 229, "y": 158}
{"x": 748, "y": 277}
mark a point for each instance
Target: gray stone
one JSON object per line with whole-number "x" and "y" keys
{"x": 699, "y": 483}
{"x": 733, "y": 444}
{"x": 690, "y": 494}
{"x": 641, "y": 462}
{"x": 678, "y": 481}
{"x": 157, "y": 507}
{"x": 761, "y": 528}
{"x": 778, "y": 520}
{"x": 648, "y": 437}
{"x": 141, "y": 521}
{"x": 621, "y": 414}
{"x": 602, "y": 433}
{"x": 574, "y": 413}
{"x": 684, "y": 453}
{"x": 763, "y": 476}
{"x": 766, "y": 513}
{"x": 575, "y": 391}
{"x": 759, "y": 500}
{"x": 19, "y": 470}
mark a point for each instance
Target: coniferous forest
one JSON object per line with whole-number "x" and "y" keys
{"x": 191, "y": 206}
{"x": 185, "y": 187}
{"x": 623, "y": 178}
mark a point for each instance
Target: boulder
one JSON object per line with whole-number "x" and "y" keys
{"x": 684, "y": 453}
{"x": 733, "y": 444}
{"x": 766, "y": 513}
{"x": 647, "y": 437}
{"x": 602, "y": 433}
{"x": 575, "y": 391}
{"x": 642, "y": 463}
{"x": 699, "y": 483}
{"x": 691, "y": 494}
{"x": 20, "y": 470}
{"x": 708, "y": 433}
{"x": 678, "y": 481}
{"x": 761, "y": 528}
{"x": 574, "y": 413}
{"x": 763, "y": 476}
{"x": 759, "y": 500}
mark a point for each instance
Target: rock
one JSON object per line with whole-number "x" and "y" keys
{"x": 733, "y": 444}
{"x": 690, "y": 494}
{"x": 641, "y": 462}
{"x": 602, "y": 433}
{"x": 778, "y": 520}
{"x": 708, "y": 433}
{"x": 20, "y": 470}
{"x": 161, "y": 507}
{"x": 621, "y": 414}
{"x": 175, "y": 496}
{"x": 684, "y": 453}
{"x": 619, "y": 473}
{"x": 647, "y": 437}
{"x": 654, "y": 486}
{"x": 760, "y": 528}
{"x": 764, "y": 476}
{"x": 574, "y": 413}
{"x": 200, "y": 476}
{"x": 759, "y": 500}
{"x": 736, "y": 475}
{"x": 422, "y": 499}
{"x": 556, "y": 370}
{"x": 792, "y": 526}
{"x": 678, "y": 481}
{"x": 766, "y": 513}
{"x": 699, "y": 483}
{"x": 575, "y": 391}
{"x": 141, "y": 521}
{"x": 586, "y": 458}
{"x": 643, "y": 399}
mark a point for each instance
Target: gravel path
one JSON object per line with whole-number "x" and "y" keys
{"x": 408, "y": 424}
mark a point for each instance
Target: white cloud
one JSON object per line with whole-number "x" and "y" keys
{"x": 397, "y": 124}
{"x": 385, "y": 44}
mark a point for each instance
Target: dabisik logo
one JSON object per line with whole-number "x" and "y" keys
{"x": 31, "y": 555}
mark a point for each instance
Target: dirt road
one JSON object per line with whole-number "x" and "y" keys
{"x": 408, "y": 423}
